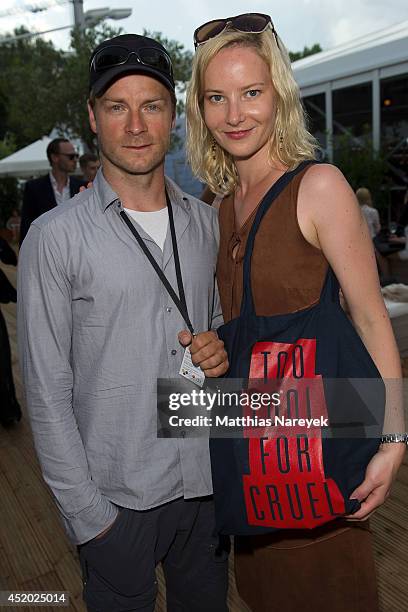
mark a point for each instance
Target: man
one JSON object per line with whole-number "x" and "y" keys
{"x": 89, "y": 164}
{"x": 97, "y": 327}
{"x": 56, "y": 187}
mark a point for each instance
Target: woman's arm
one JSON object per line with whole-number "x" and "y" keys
{"x": 330, "y": 219}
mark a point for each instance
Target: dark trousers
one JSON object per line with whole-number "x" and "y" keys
{"x": 119, "y": 568}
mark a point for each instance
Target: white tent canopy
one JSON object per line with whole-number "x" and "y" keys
{"x": 373, "y": 51}
{"x": 27, "y": 162}
{"x": 31, "y": 160}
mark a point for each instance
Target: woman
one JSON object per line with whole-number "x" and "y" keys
{"x": 370, "y": 213}
{"x": 246, "y": 128}
{"x": 372, "y": 217}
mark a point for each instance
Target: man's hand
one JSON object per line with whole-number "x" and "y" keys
{"x": 380, "y": 474}
{"x": 207, "y": 351}
{"x": 100, "y": 535}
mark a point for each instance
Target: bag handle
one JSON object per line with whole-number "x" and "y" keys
{"x": 247, "y": 305}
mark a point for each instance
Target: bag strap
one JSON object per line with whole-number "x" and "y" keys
{"x": 330, "y": 289}
{"x": 247, "y": 305}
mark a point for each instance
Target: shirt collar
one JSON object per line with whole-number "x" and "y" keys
{"x": 177, "y": 195}
{"x": 54, "y": 181}
{"x": 106, "y": 195}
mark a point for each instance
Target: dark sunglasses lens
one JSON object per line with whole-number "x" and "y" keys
{"x": 251, "y": 23}
{"x": 156, "y": 59}
{"x": 111, "y": 56}
{"x": 209, "y": 30}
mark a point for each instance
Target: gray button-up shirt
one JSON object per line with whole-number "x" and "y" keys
{"x": 96, "y": 328}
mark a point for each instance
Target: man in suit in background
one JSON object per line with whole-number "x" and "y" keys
{"x": 46, "y": 192}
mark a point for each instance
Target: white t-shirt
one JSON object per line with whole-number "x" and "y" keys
{"x": 373, "y": 219}
{"x": 154, "y": 223}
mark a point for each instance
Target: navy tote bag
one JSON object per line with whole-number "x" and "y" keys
{"x": 302, "y": 480}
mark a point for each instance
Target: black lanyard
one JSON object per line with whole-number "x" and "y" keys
{"x": 180, "y": 302}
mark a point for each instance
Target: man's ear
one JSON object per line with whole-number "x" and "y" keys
{"x": 91, "y": 115}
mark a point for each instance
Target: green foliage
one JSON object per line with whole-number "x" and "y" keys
{"x": 7, "y": 145}
{"x": 362, "y": 166}
{"x": 73, "y": 83}
{"x": 297, "y": 55}
{"x": 29, "y": 68}
{"x": 10, "y": 197}
{"x": 42, "y": 88}
{"x": 3, "y": 114}
{"x": 181, "y": 58}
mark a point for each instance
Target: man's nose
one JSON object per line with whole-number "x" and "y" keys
{"x": 135, "y": 123}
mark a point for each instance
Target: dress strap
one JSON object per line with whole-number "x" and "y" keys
{"x": 247, "y": 305}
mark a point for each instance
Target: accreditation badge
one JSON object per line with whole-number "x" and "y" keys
{"x": 190, "y": 371}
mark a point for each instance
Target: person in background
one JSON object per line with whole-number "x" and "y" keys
{"x": 372, "y": 218}
{"x": 89, "y": 164}
{"x": 10, "y": 411}
{"x": 13, "y": 224}
{"x": 370, "y": 213}
{"x": 55, "y": 188}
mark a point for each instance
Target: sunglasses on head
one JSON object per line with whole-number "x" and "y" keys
{"x": 70, "y": 156}
{"x": 115, "y": 55}
{"x": 253, "y": 23}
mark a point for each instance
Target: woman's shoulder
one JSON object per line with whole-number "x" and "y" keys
{"x": 323, "y": 176}
{"x": 326, "y": 199}
{"x": 323, "y": 185}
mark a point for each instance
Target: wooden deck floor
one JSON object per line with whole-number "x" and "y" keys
{"x": 36, "y": 555}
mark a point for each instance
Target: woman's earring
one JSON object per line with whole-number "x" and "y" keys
{"x": 280, "y": 140}
{"x": 214, "y": 149}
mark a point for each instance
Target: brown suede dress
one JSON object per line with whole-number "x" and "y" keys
{"x": 331, "y": 568}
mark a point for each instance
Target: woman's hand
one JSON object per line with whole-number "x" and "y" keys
{"x": 380, "y": 474}
{"x": 89, "y": 185}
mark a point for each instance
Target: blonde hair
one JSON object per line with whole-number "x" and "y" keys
{"x": 290, "y": 142}
{"x": 363, "y": 196}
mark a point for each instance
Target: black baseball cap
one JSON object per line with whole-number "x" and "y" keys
{"x": 129, "y": 54}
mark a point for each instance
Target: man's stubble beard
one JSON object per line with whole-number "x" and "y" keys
{"x": 155, "y": 162}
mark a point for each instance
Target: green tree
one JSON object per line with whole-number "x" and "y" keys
{"x": 73, "y": 83}
{"x": 7, "y": 145}
{"x": 29, "y": 69}
{"x": 10, "y": 195}
{"x": 10, "y": 198}
{"x": 362, "y": 165}
{"x": 181, "y": 59}
{"x": 297, "y": 55}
